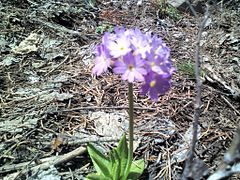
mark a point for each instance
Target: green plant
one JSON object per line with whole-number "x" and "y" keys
{"x": 103, "y": 28}
{"x": 187, "y": 68}
{"x": 173, "y": 13}
{"x": 114, "y": 166}
{"x": 166, "y": 9}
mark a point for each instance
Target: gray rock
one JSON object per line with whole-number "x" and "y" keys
{"x": 177, "y": 3}
{"x": 182, "y": 5}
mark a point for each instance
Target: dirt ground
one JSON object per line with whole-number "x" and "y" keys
{"x": 51, "y": 105}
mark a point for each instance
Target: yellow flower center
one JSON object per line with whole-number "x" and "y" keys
{"x": 130, "y": 67}
{"x": 152, "y": 64}
{"x": 152, "y": 83}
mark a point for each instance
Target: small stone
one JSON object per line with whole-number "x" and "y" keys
{"x": 182, "y": 5}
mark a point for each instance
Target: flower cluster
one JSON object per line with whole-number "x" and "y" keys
{"x": 136, "y": 57}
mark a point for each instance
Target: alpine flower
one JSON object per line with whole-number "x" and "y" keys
{"x": 155, "y": 84}
{"x": 102, "y": 60}
{"x": 131, "y": 67}
{"x": 136, "y": 56}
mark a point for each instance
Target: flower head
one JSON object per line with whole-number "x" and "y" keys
{"x": 120, "y": 44}
{"x": 136, "y": 57}
{"x": 131, "y": 67}
{"x": 155, "y": 84}
{"x": 140, "y": 45}
{"x": 102, "y": 60}
{"x": 157, "y": 64}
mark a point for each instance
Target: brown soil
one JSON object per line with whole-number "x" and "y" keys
{"x": 47, "y": 90}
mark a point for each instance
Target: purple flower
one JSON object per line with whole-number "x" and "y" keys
{"x": 131, "y": 67}
{"x": 120, "y": 45}
{"x": 156, "y": 64}
{"x": 136, "y": 56}
{"x": 102, "y": 60}
{"x": 155, "y": 84}
{"x": 107, "y": 37}
{"x": 140, "y": 46}
{"x": 162, "y": 52}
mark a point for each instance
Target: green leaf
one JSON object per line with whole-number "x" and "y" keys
{"x": 115, "y": 164}
{"x": 100, "y": 29}
{"x": 137, "y": 168}
{"x": 95, "y": 176}
{"x": 122, "y": 151}
{"x": 100, "y": 161}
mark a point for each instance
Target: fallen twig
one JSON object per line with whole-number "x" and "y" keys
{"x": 238, "y": 113}
{"x": 46, "y": 162}
{"x": 96, "y": 107}
{"x": 59, "y": 28}
{"x": 72, "y": 140}
{"x": 49, "y": 72}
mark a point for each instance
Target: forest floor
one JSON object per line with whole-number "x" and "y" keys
{"x": 51, "y": 105}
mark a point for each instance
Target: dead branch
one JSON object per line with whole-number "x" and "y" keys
{"x": 99, "y": 108}
{"x": 189, "y": 168}
{"x": 70, "y": 141}
{"x": 46, "y": 162}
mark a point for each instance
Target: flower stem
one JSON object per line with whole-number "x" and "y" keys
{"x": 130, "y": 104}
